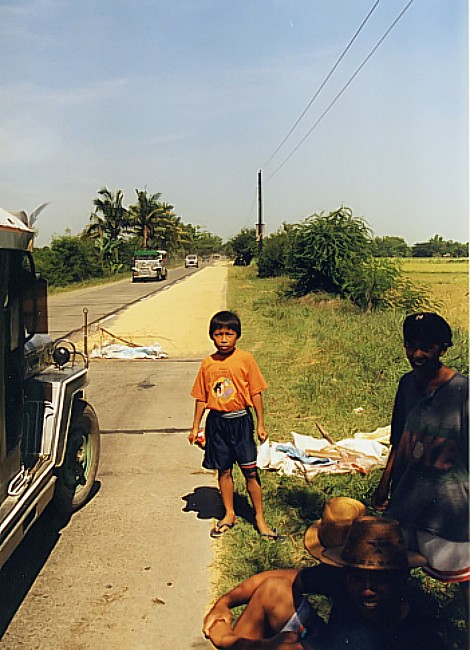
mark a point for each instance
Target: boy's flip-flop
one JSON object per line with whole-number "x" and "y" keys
{"x": 220, "y": 528}
{"x": 274, "y": 537}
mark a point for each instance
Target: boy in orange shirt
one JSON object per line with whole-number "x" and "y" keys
{"x": 228, "y": 383}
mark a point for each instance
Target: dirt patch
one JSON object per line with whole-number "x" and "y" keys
{"x": 177, "y": 320}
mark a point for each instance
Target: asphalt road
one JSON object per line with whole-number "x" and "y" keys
{"x": 131, "y": 570}
{"x": 65, "y": 310}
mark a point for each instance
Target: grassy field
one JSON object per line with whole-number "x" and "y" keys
{"x": 322, "y": 359}
{"x": 447, "y": 279}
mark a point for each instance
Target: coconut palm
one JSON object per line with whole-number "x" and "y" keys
{"x": 109, "y": 222}
{"x": 143, "y": 215}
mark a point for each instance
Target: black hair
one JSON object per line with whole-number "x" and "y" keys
{"x": 228, "y": 319}
{"x": 429, "y": 327}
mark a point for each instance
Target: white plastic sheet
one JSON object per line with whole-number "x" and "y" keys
{"x": 356, "y": 455}
{"x": 116, "y": 351}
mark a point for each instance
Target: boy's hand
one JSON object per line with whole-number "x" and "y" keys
{"x": 192, "y": 436}
{"x": 262, "y": 435}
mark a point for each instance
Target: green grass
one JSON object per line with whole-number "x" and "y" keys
{"x": 322, "y": 358}
{"x": 92, "y": 282}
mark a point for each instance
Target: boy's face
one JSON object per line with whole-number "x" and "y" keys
{"x": 225, "y": 340}
{"x": 424, "y": 356}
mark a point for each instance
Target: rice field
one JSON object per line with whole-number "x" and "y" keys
{"x": 448, "y": 281}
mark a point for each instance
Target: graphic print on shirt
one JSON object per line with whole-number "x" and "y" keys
{"x": 224, "y": 390}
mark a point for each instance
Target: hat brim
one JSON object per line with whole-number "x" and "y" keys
{"x": 333, "y": 556}
{"x": 312, "y": 541}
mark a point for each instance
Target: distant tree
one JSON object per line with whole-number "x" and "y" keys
{"x": 390, "y": 246}
{"x": 437, "y": 246}
{"x": 68, "y": 259}
{"x": 202, "y": 242}
{"x": 110, "y": 217}
{"x": 243, "y": 246}
{"x": 109, "y": 222}
{"x": 274, "y": 257}
{"x": 143, "y": 215}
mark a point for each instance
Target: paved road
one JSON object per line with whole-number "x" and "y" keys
{"x": 66, "y": 309}
{"x": 131, "y": 570}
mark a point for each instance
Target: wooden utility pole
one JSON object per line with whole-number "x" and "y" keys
{"x": 260, "y": 225}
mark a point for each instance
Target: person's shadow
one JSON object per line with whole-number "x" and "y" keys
{"x": 206, "y": 502}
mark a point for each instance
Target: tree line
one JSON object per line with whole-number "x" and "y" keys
{"x": 114, "y": 232}
{"x": 337, "y": 254}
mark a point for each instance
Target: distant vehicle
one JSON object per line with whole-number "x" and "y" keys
{"x": 191, "y": 260}
{"x": 49, "y": 433}
{"x": 149, "y": 265}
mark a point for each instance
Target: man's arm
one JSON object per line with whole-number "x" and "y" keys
{"x": 241, "y": 595}
{"x": 222, "y": 636}
{"x": 258, "y": 406}
{"x": 199, "y": 409}
{"x": 379, "y": 498}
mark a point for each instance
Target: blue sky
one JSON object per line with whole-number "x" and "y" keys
{"x": 191, "y": 97}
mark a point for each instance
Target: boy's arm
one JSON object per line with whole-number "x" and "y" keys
{"x": 258, "y": 406}
{"x": 199, "y": 409}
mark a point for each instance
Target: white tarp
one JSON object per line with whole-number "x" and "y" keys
{"x": 116, "y": 351}
{"x": 362, "y": 454}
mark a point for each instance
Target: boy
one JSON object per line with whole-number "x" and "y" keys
{"x": 228, "y": 383}
{"x": 428, "y": 462}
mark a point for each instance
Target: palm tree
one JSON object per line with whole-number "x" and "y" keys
{"x": 110, "y": 218}
{"x": 143, "y": 215}
{"x": 109, "y": 222}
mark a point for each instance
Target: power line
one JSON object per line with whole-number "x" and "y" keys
{"x": 324, "y": 82}
{"x": 343, "y": 89}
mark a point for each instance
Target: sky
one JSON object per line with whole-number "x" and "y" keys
{"x": 191, "y": 98}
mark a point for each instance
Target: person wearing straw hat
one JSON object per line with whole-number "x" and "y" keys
{"x": 363, "y": 567}
{"x": 427, "y": 468}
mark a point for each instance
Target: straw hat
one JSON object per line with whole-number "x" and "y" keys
{"x": 374, "y": 543}
{"x": 332, "y": 529}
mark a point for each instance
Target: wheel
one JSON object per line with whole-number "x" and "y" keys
{"x": 77, "y": 474}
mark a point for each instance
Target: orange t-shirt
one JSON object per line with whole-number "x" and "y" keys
{"x": 228, "y": 384}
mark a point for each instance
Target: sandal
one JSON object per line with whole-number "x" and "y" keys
{"x": 220, "y": 528}
{"x": 274, "y": 537}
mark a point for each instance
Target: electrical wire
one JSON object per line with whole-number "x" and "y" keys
{"x": 323, "y": 83}
{"x": 343, "y": 89}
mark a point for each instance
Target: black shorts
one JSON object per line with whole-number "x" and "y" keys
{"x": 229, "y": 440}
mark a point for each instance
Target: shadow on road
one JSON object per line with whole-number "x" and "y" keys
{"x": 17, "y": 576}
{"x": 206, "y": 502}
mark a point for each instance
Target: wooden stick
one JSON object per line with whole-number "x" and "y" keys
{"x": 325, "y": 434}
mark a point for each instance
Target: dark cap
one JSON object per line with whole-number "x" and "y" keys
{"x": 427, "y": 326}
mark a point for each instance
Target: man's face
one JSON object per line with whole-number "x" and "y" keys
{"x": 225, "y": 340}
{"x": 424, "y": 356}
{"x": 374, "y": 595}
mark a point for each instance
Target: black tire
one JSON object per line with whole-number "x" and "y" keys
{"x": 76, "y": 476}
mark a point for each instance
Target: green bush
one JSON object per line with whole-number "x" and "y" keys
{"x": 68, "y": 259}
{"x": 326, "y": 250}
{"x": 274, "y": 257}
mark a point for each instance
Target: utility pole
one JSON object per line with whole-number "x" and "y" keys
{"x": 260, "y": 225}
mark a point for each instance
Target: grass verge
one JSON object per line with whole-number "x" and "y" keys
{"x": 322, "y": 358}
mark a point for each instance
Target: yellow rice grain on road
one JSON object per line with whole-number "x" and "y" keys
{"x": 176, "y": 318}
